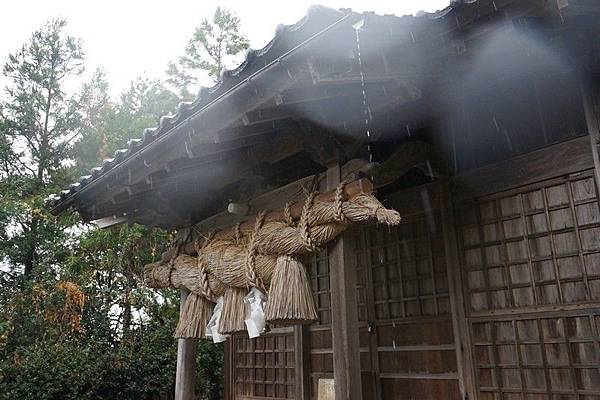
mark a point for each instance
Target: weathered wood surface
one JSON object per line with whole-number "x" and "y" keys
{"x": 529, "y": 257}
{"x": 302, "y": 362}
{"x": 555, "y": 160}
{"x": 351, "y": 190}
{"x": 591, "y": 105}
{"x": 460, "y": 326}
{"x": 344, "y": 313}
{"x": 185, "y": 378}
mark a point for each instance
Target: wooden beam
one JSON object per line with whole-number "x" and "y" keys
{"x": 302, "y": 376}
{"x": 528, "y": 168}
{"x": 216, "y": 172}
{"x": 344, "y": 311}
{"x": 591, "y": 104}
{"x": 185, "y": 378}
{"x": 228, "y": 370}
{"x": 351, "y": 190}
{"x": 460, "y": 326}
{"x": 371, "y": 316}
{"x": 405, "y": 157}
{"x": 277, "y": 198}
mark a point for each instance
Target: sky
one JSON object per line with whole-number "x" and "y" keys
{"x": 132, "y": 38}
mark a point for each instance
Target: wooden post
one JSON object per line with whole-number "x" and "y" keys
{"x": 344, "y": 313}
{"x": 185, "y": 377}
{"x": 228, "y": 370}
{"x": 302, "y": 362}
{"x": 590, "y": 90}
{"x": 460, "y": 326}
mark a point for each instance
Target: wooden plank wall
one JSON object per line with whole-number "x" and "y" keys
{"x": 407, "y": 345}
{"x": 264, "y": 367}
{"x": 408, "y": 301}
{"x": 530, "y": 261}
{"x": 526, "y": 261}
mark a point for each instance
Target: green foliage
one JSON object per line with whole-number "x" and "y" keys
{"x": 76, "y": 320}
{"x": 39, "y": 120}
{"x": 213, "y": 41}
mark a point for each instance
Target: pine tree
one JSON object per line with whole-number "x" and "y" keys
{"x": 39, "y": 122}
{"x": 211, "y": 45}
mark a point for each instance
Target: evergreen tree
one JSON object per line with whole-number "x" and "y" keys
{"x": 75, "y": 319}
{"x": 39, "y": 122}
{"x": 212, "y": 43}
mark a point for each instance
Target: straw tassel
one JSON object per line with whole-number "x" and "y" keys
{"x": 234, "y": 311}
{"x": 194, "y": 317}
{"x": 290, "y": 299}
{"x": 197, "y": 309}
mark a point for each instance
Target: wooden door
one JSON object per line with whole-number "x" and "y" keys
{"x": 405, "y": 303}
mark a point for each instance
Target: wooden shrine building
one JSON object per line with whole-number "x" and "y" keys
{"x": 479, "y": 124}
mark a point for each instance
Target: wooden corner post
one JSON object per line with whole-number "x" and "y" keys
{"x": 344, "y": 311}
{"x": 302, "y": 359}
{"x": 460, "y": 325}
{"x": 590, "y": 89}
{"x": 185, "y": 377}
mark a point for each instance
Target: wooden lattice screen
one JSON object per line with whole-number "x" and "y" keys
{"x": 408, "y": 268}
{"x": 319, "y": 274}
{"x": 531, "y": 271}
{"x": 402, "y": 272}
{"x": 264, "y": 366}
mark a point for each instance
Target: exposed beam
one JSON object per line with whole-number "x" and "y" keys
{"x": 525, "y": 169}
{"x": 214, "y": 173}
{"x": 351, "y": 190}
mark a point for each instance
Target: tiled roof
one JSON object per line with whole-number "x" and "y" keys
{"x": 319, "y": 17}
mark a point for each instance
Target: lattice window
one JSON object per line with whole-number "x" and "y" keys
{"x": 264, "y": 366}
{"x": 535, "y": 246}
{"x": 319, "y": 275}
{"x": 408, "y": 268}
{"x": 543, "y": 358}
{"x": 362, "y": 281}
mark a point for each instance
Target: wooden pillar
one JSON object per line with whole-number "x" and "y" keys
{"x": 344, "y": 312}
{"x": 228, "y": 370}
{"x": 590, "y": 89}
{"x": 302, "y": 362}
{"x": 460, "y": 326}
{"x": 185, "y": 377}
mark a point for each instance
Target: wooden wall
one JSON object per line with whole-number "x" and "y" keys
{"x": 530, "y": 262}
{"x": 494, "y": 294}
{"x": 264, "y": 367}
{"x": 406, "y": 334}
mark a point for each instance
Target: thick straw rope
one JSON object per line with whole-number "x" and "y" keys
{"x": 226, "y": 261}
{"x": 202, "y": 273}
{"x": 172, "y": 262}
{"x": 287, "y": 214}
{"x": 304, "y": 224}
{"x": 338, "y": 203}
{"x": 251, "y": 276}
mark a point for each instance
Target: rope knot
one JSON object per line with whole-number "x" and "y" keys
{"x": 172, "y": 262}
{"x": 338, "y": 203}
{"x": 304, "y": 224}
{"x": 287, "y": 214}
{"x": 203, "y": 273}
{"x": 251, "y": 276}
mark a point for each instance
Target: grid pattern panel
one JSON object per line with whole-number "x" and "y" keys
{"x": 264, "y": 366}
{"x": 546, "y": 358}
{"x": 319, "y": 278}
{"x": 362, "y": 280}
{"x": 535, "y": 246}
{"x": 408, "y": 268}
